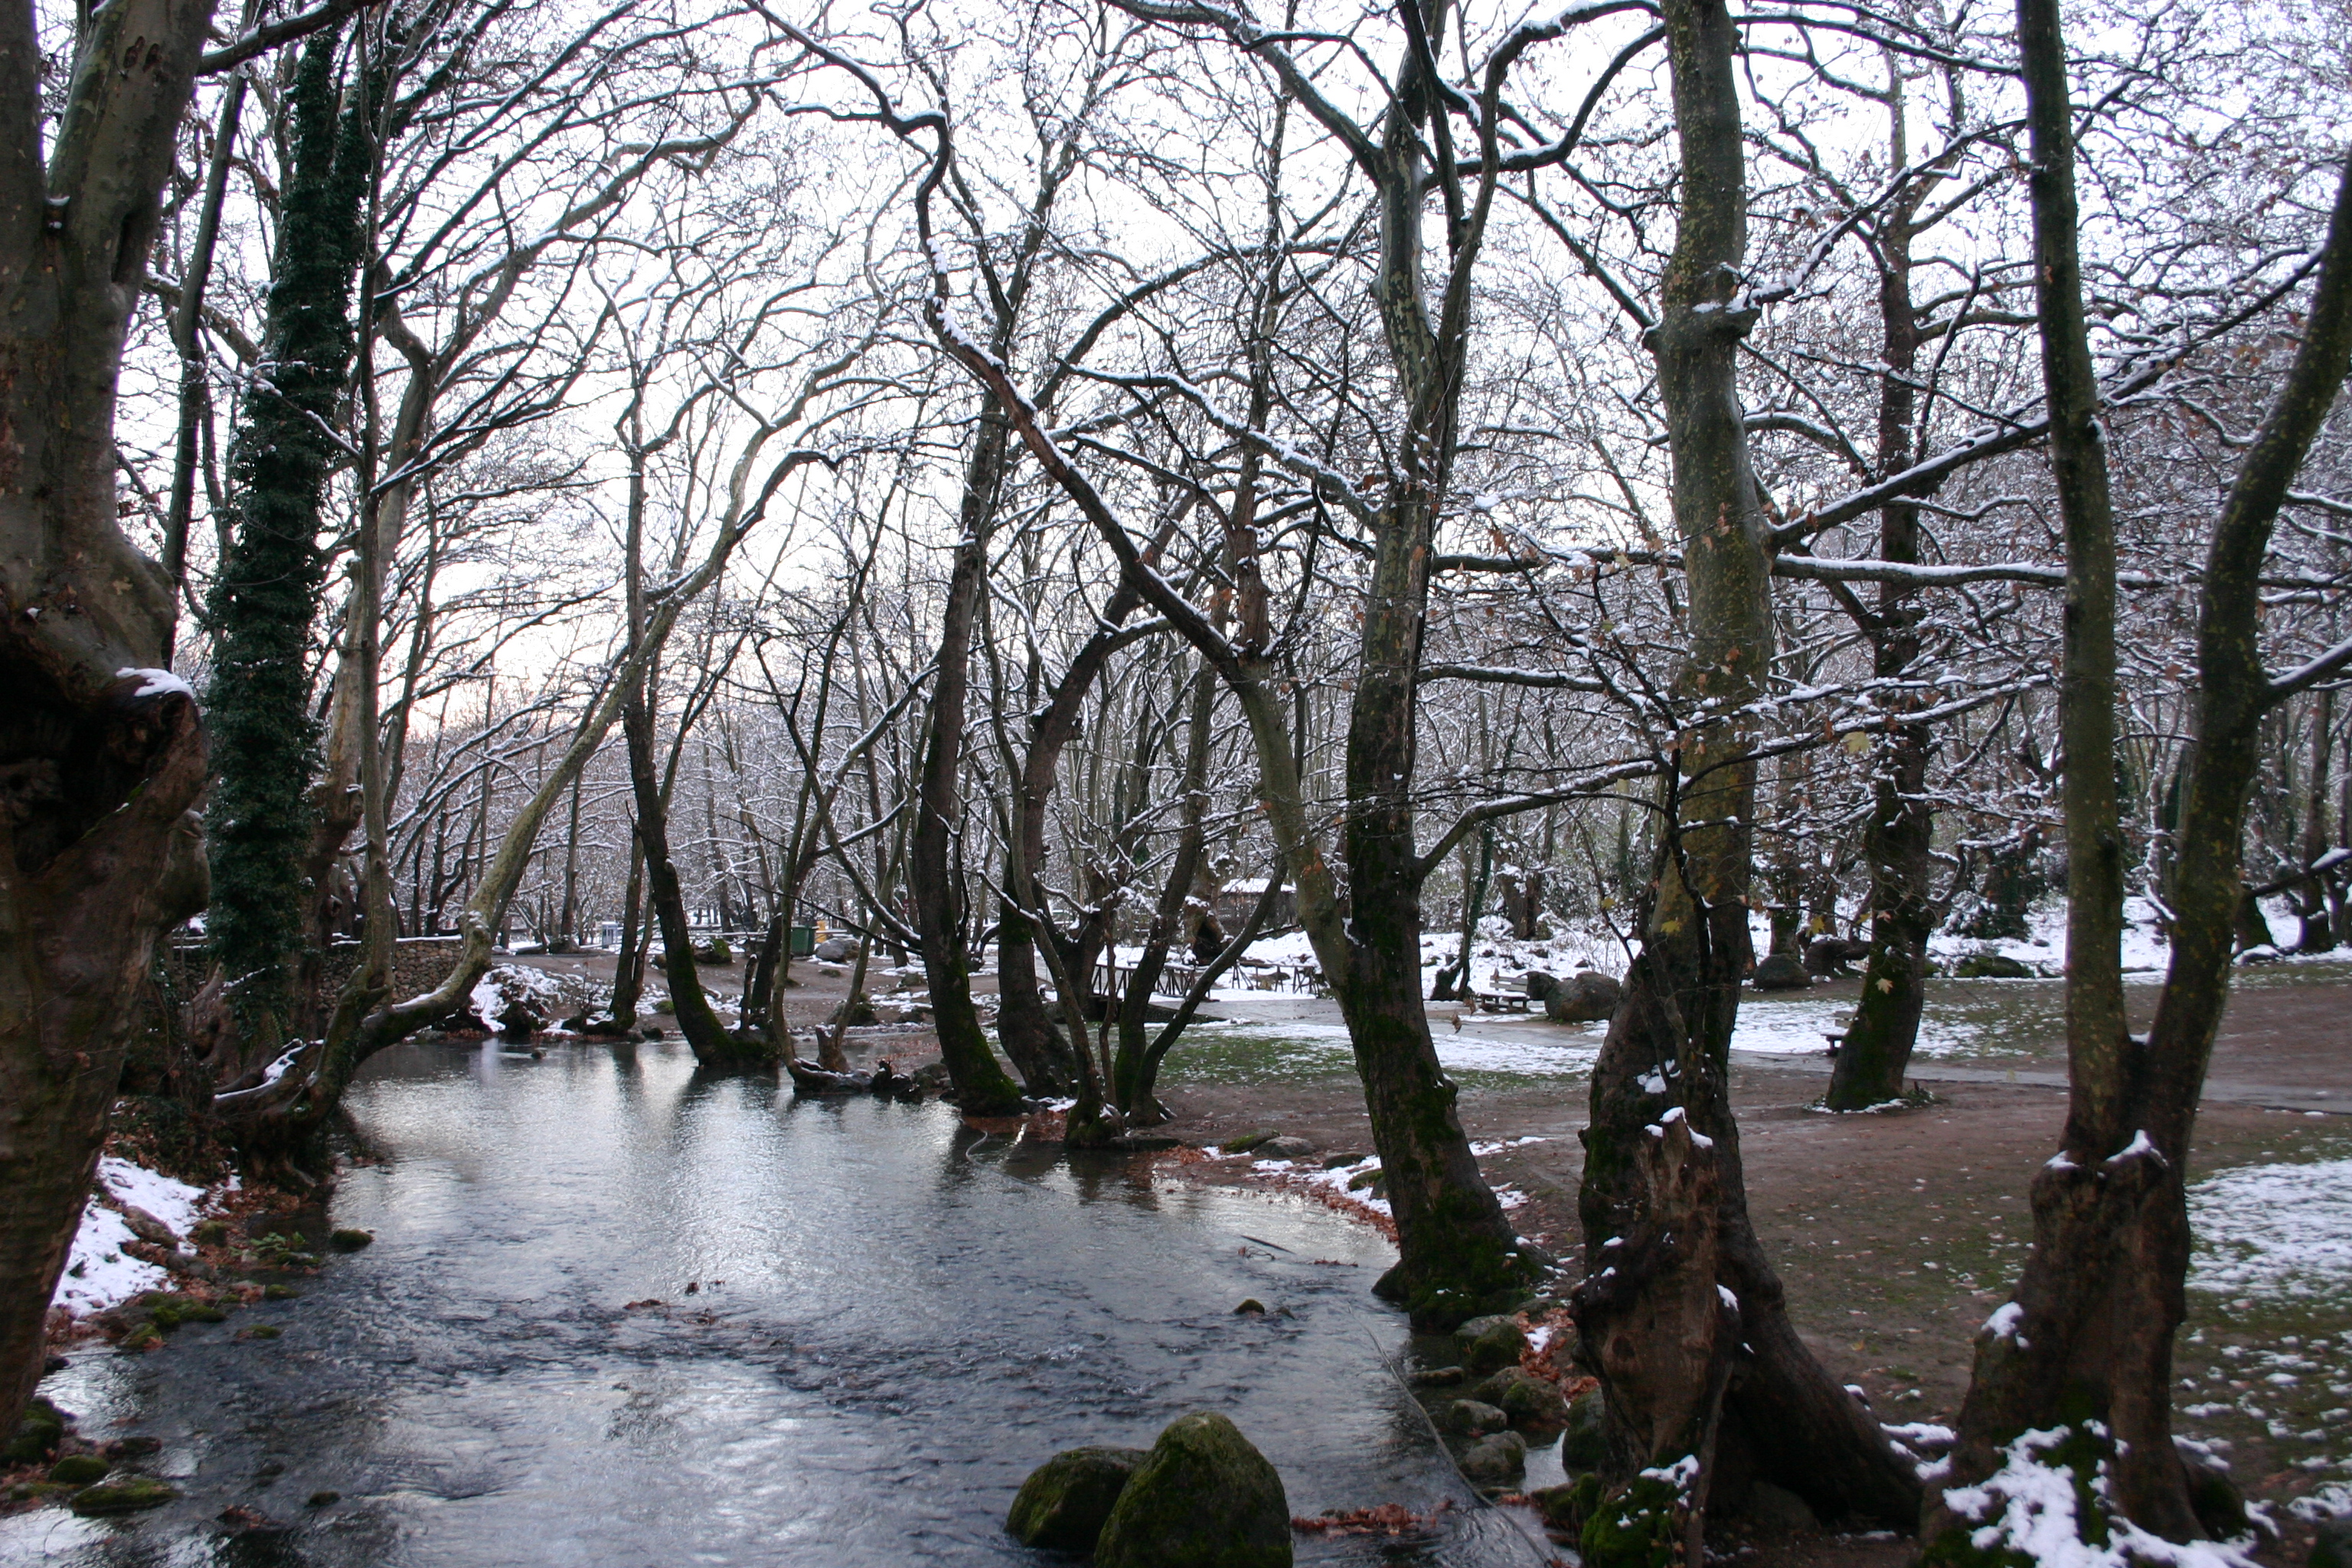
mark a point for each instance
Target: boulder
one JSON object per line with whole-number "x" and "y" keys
{"x": 1538, "y": 985}
{"x": 1202, "y": 1498}
{"x": 1495, "y": 1461}
{"x": 1587, "y": 997}
{"x": 147, "y": 1227}
{"x": 1827, "y": 955}
{"x": 1289, "y": 1146}
{"x": 835, "y": 950}
{"x": 1781, "y": 972}
{"x": 1489, "y": 1345}
{"x": 1472, "y": 1418}
{"x": 1778, "y": 1509}
{"x": 1525, "y": 1399}
{"x": 1062, "y": 1504}
{"x": 79, "y": 1470}
{"x": 1992, "y": 966}
{"x": 1584, "y": 1446}
{"x": 123, "y": 1494}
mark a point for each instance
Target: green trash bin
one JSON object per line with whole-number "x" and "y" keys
{"x": 803, "y": 941}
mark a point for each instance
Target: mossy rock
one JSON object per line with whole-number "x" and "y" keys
{"x": 1062, "y": 1504}
{"x": 1992, "y": 966}
{"x": 1585, "y": 1444}
{"x": 79, "y": 1470}
{"x": 1248, "y": 1141}
{"x": 142, "y": 1338}
{"x": 351, "y": 1240}
{"x": 1472, "y": 1418}
{"x": 1490, "y": 1343}
{"x": 210, "y": 1232}
{"x": 1496, "y": 1460}
{"x": 1528, "y": 1400}
{"x": 1566, "y": 1507}
{"x": 1202, "y": 1498}
{"x": 281, "y": 1293}
{"x": 37, "y": 1435}
{"x": 263, "y": 1332}
{"x": 1637, "y": 1526}
{"x": 125, "y": 1494}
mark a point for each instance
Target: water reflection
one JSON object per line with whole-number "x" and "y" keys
{"x": 872, "y": 1322}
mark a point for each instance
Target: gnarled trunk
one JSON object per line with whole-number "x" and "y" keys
{"x": 1668, "y": 1046}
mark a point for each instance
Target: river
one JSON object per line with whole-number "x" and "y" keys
{"x": 892, "y": 1317}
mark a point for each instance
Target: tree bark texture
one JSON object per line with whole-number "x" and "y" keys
{"x": 981, "y": 1086}
{"x": 2089, "y": 1329}
{"x": 101, "y": 758}
{"x": 1668, "y": 1046}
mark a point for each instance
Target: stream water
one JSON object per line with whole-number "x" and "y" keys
{"x": 896, "y": 1318}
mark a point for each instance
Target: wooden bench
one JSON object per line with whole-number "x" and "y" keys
{"x": 1510, "y": 997}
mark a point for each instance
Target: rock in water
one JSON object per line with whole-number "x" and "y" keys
{"x": 127, "y": 1494}
{"x": 1064, "y": 1502}
{"x": 1781, "y": 972}
{"x": 1489, "y": 1345}
{"x": 1495, "y": 1461}
{"x": 1528, "y": 1400}
{"x": 1204, "y": 1497}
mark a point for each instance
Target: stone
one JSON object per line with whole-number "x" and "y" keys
{"x": 1781, "y": 972}
{"x": 1778, "y": 1509}
{"x": 2332, "y": 1547}
{"x": 1497, "y": 1460}
{"x": 835, "y": 950}
{"x": 1250, "y": 1305}
{"x": 1289, "y": 1146}
{"x": 37, "y": 1435}
{"x": 1491, "y": 1344}
{"x": 1992, "y": 966}
{"x": 1587, "y": 997}
{"x": 1437, "y": 1377}
{"x": 1204, "y": 1497}
{"x": 1538, "y": 985}
{"x": 1248, "y": 1142}
{"x": 1827, "y": 955}
{"x": 1584, "y": 1446}
{"x": 1472, "y": 1418}
{"x": 351, "y": 1240}
{"x": 79, "y": 1470}
{"x": 324, "y": 1499}
{"x": 1524, "y": 1399}
{"x": 1062, "y": 1504}
{"x": 147, "y": 1227}
{"x": 124, "y": 1494}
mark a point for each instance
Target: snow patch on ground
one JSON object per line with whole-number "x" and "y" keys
{"x": 98, "y": 1273}
{"x": 2030, "y": 1507}
{"x": 2280, "y": 1230}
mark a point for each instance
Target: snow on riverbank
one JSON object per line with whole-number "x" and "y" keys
{"x": 98, "y": 1273}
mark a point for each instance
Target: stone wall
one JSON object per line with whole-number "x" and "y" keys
{"x": 418, "y": 964}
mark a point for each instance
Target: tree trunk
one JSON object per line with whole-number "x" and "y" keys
{"x": 1899, "y": 842}
{"x": 715, "y": 1046}
{"x": 102, "y": 755}
{"x": 2087, "y": 1335}
{"x": 1668, "y": 1046}
{"x": 267, "y": 595}
{"x": 982, "y": 1088}
{"x": 2319, "y": 934}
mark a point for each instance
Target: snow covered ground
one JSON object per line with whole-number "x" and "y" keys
{"x": 98, "y": 1273}
{"x": 2275, "y": 1230}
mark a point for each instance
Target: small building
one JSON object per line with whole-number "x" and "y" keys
{"x": 1236, "y": 902}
